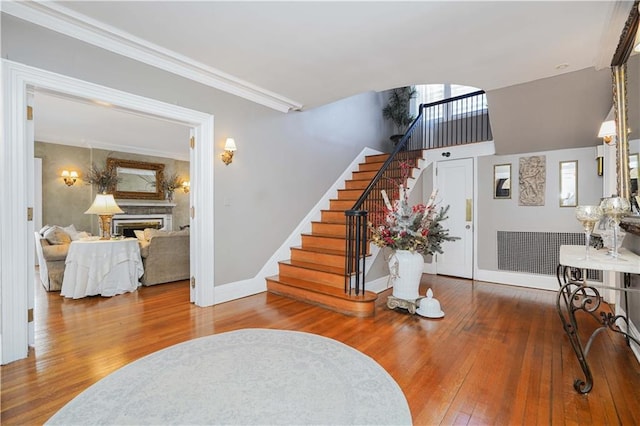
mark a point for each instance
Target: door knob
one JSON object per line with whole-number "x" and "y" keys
{"x": 468, "y": 227}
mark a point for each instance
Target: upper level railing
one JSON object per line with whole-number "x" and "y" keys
{"x": 455, "y": 121}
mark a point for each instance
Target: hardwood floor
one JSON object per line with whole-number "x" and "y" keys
{"x": 499, "y": 356}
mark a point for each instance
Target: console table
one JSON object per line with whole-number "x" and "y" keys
{"x": 576, "y": 294}
{"x": 102, "y": 267}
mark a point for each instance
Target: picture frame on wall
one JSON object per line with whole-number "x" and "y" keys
{"x": 569, "y": 183}
{"x": 502, "y": 181}
{"x": 532, "y": 180}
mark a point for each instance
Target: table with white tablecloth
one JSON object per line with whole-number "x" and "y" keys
{"x": 102, "y": 267}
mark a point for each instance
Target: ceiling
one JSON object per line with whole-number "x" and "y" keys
{"x": 313, "y": 53}
{"x": 70, "y": 121}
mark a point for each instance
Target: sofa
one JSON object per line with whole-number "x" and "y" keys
{"x": 52, "y": 246}
{"x": 165, "y": 255}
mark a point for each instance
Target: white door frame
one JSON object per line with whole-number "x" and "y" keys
{"x": 16, "y": 171}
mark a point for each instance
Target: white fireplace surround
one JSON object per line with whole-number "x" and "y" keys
{"x": 165, "y": 221}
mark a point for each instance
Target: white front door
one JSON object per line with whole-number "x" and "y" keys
{"x": 454, "y": 180}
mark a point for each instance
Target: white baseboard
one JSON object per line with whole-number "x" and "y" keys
{"x": 378, "y": 285}
{"x": 633, "y": 330}
{"x": 542, "y": 282}
{"x": 239, "y": 289}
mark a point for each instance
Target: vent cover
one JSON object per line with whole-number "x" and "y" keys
{"x": 536, "y": 252}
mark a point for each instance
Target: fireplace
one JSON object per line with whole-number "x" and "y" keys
{"x": 125, "y": 224}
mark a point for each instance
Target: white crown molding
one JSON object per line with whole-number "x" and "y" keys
{"x": 93, "y": 144}
{"x": 65, "y": 21}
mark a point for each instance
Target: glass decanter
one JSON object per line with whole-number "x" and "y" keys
{"x": 615, "y": 208}
{"x": 588, "y": 217}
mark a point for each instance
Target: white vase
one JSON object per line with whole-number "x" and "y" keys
{"x": 406, "y": 271}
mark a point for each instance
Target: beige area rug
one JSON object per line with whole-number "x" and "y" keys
{"x": 249, "y": 377}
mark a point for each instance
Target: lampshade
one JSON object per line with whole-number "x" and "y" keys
{"x": 607, "y": 129}
{"x": 230, "y": 145}
{"x": 104, "y": 204}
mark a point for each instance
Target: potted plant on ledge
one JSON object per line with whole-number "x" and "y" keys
{"x": 105, "y": 178}
{"x": 398, "y": 110}
{"x": 170, "y": 184}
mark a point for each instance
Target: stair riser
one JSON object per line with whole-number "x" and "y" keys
{"x": 363, "y": 175}
{"x": 328, "y": 228}
{"x": 376, "y": 158}
{"x": 327, "y": 278}
{"x": 341, "y": 204}
{"x": 333, "y": 216}
{"x": 320, "y": 258}
{"x": 345, "y": 307}
{"x": 356, "y": 184}
{"x": 323, "y": 242}
{"x": 349, "y": 194}
{"x": 369, "y": 167}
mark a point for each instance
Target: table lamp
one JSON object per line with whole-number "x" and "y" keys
{"x": 105, "y": 207}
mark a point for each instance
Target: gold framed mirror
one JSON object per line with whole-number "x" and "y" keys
{"x": 633, "y": 173}
{"x": 502, "y": 181}
{"x": 569, "y": 183}
{"x": 137, "y": 179}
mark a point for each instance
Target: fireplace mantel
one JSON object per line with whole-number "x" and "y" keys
{"x": 146, "y": 203}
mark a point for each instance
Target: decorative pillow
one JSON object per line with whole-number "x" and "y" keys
{"x": 149, "y": 233}
{"x": 44, "y": 229}
{"x": 72, "y": 231}
{"x": 57, "y": 235}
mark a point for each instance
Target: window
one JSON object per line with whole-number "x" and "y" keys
{"x": 428, "y": 93}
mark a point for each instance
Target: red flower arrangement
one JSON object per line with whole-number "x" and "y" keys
{"x": 417, "y": 228}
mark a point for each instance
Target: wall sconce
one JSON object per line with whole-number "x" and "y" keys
{"x": 607, "y": 131}
{"x": 69, "y": 177}
{"x": 186, "y": 186}
{"x": 600, "y": 159}
{"x": 229, "y": 148}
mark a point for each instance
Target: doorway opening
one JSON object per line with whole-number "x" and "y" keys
{"x": 17, "y": 166}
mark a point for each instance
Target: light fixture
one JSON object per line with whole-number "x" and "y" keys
{"x": 186, "y": 186}
{"x": 600, "y": 159}
{"x": 105, "y": 207}
{"x": 607, "y": 131}
{"x": 229, "y": 148}
{"x": 69, "y": 177}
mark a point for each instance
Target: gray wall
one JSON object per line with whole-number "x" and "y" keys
{"x": 508, "y": 215}
{"x": 284, "y": 162}
{"x": 63, "y": 205}
{"x": 558, "y": 112}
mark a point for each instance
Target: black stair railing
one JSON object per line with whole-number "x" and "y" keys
{"x": 455, "y": 121}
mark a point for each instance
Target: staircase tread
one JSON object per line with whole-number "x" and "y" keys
{"x": 366, "y": 296}
{"x": 337, "y": 237}
{"x": 327, "y": 222}
{"x": 321, "y": 250}
{"x": 314, "y": 266}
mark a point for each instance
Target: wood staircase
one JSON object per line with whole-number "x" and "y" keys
{"x": 315, "y": 273}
